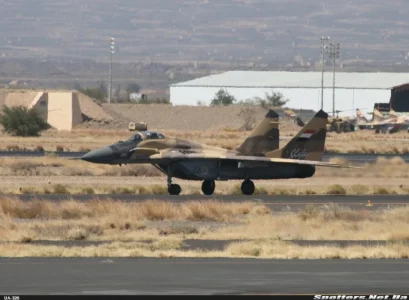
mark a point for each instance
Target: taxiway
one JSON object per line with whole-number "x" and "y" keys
{"x": 121, "y": 276}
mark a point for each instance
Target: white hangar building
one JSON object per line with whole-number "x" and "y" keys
{"x": 303, "y": 89}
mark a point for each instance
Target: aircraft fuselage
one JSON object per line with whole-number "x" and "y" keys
{"x": 217, "y": 170}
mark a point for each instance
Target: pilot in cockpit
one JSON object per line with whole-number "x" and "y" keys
{"x": 145, "y": 135}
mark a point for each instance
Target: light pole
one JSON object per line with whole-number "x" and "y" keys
{"x": 333, "y": 51}
{"x": 324, "y": 41}
{"x": 112, "y": 51}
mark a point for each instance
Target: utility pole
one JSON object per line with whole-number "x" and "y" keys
{"x": 333, "y": 51}
{"x": 112, "y": 51}
{"x": 324, "y": 41}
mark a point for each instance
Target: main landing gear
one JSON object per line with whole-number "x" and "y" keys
{"x": 247, "y": 187}
{"x": 208, "y": 187}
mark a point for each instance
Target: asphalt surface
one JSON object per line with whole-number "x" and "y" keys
{"x": 276, "y": 203}
{"x": 351, "y": 157}
{"x": 119, "y": 276}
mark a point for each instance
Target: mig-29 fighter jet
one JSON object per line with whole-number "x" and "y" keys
{"x": 257, "y": 158}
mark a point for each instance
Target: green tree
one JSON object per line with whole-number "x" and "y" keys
{"x": 222, "y": 97}
{"x": 21, "y": 121}
{"x": 98, "y": 93}
{"x": 272, "y": 100}
{"x": 157, "y": 100}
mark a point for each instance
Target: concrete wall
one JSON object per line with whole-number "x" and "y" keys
{"x": 76, "y": 110}
{"x": 300, "y": 98}
{"x": 63, "y": 110}
{"x": 40, "y": 103}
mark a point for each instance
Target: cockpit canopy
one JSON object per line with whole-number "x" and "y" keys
{"x": 145, "y": 135}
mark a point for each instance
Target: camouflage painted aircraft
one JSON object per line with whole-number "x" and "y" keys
{"x": 380, "y": 123}
{"x": 402, "y": 120}
{"x": 257, "y": 158}
{"x": 337, "y": 124}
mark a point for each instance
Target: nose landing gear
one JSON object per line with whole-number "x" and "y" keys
{"x": 173, "y": 189}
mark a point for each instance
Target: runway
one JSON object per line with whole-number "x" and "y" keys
{"x": 121, "y": 276}
{"x": 351, "y": 157}
{"x": 275, "y": 203}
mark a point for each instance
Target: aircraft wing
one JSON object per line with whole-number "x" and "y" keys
{"x": 177, "y": 156}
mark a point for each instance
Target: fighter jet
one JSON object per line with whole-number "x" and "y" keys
{"x": 401, "y": 123}
{"x": 379, "y": 122}
{"x": 253, "y": 160}
{"x": 362, "y": 121}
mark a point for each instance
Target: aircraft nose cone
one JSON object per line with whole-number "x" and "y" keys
{"x": 99, "y": 156}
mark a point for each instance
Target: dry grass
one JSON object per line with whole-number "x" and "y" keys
{"x": 112, "y": 220}
{"x": 282, "y": 250}
{"x": 210, "y": 210}
{"x": 99, "y": 219}
{"x": 256, "y": 249}
{"x": 128, "y": 226}
{"x": 54, "y": 166}
{"x": 331, "y": 222}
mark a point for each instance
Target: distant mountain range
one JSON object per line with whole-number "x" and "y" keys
{"x": 202, "y": 35}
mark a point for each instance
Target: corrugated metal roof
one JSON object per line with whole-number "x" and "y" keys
{"x": 266, "y": 79}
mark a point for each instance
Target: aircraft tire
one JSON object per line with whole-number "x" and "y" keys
{"x": 174, "y": 189}
{"x": 247, "y": 187}
{"x": 208, "y": 187}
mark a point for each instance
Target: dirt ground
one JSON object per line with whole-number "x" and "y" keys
{"x": 197, "y": 118}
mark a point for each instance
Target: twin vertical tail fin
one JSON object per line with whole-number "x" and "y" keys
{"x": 393, "y": 114}
{"x": 309, "y": 143}
{"x": 264, "y": 138}
{"x": 378, "y": 116}
{"x": 360, "y": 117}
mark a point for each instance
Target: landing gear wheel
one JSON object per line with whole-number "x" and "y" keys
{"x": 208, "y": 187}
{"x": 247, "y": 187}
{"x": 174, "y": 189}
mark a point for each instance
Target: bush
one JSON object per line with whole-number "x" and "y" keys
{"x": 60, "y": 189}
{"x": 222, "y": 97}
{"x": 272, "y": 100}
{"x": 21, "y": 121}
{"x": 382, "y": 191}
{"x": 336, "y": 189}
